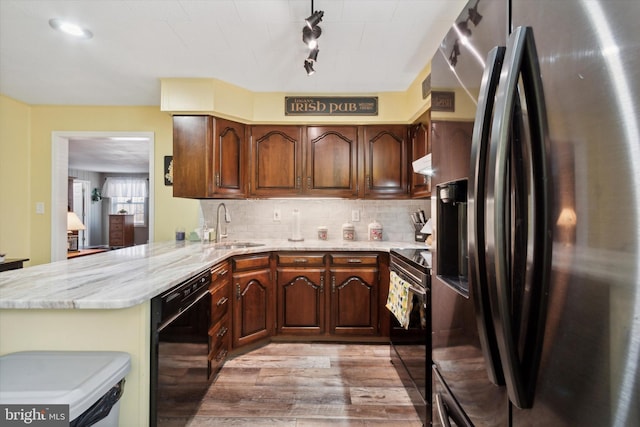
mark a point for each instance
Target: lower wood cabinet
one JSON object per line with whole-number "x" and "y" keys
{"x": 354, "y": 294}
{"x": 300, "y": 279}
{"x": 220, "y": 329}
{"x": 253, "y": 299}
{"x": 327, "y": 294}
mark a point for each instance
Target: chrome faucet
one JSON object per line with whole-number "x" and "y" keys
{"x": 219, "y": 234}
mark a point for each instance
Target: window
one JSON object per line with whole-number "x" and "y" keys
{"x": 127, "y": 195}
{"x": 129, "y": 205}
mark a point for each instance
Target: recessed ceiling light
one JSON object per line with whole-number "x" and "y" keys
{"x": 70, "y": 28}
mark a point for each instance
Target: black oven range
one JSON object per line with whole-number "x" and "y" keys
{"x": 411, "y": 345}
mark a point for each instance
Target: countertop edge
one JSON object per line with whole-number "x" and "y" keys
{"x": 131, "y": 276}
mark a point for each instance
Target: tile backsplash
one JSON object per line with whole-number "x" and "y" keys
{"x": 254, "y": 219}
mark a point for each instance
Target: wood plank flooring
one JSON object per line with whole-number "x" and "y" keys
{"x": 306, "y": 384}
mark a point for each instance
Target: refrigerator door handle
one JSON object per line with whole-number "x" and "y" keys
{"x": 476, "y": 207}
{"x": 520, "y": 356}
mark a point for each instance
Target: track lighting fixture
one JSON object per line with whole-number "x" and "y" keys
{"x": 308, "y": 67}
{"x": 310, "y": 33}
{"x": 310, "y": 36}
{"x": 313, "y": 54}
{"x": 315, "y": 18}
{"x": 464, "y": 32}
{"x": 474, "y": 16}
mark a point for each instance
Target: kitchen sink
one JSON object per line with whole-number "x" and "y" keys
{"x": 236, "y": 245}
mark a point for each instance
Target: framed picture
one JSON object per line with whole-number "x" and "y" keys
{"x": 168, "y": 170}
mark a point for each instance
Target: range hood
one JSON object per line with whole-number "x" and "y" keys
{"x": 423, "y": 165}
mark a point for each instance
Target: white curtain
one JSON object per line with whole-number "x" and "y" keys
{"x": 125, "y": 187}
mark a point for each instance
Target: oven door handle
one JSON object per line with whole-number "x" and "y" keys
{"x": 182, "y": 310}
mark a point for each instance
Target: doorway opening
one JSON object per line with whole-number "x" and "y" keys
{"x": 60, "y": 187}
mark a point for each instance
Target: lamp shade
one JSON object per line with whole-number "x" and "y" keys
{"x": 73, "y": 222}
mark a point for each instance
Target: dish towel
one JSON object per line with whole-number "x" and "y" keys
{"x": 399, "y": 299}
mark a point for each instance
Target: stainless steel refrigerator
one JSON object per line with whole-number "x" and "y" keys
{"x": 553, "y": 217}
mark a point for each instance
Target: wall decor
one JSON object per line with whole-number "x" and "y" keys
{"x": 168, "y": 170}
{"x": 331, "y": 105}
{"x": 443, "y": 101}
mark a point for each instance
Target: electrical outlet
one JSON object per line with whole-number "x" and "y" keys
{"x": 277, "y": 215}
{"x": 40, "y": 208}
{"x": 355, "y": 215}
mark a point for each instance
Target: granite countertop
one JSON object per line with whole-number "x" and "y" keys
{"x": 130, "y": 276}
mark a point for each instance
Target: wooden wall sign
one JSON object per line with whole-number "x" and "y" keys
{"x": 443, "y": 101}
{"x": 331, "y": 105}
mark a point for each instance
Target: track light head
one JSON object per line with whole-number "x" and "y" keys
{"x": 313, "y": 54}
{"x": 310, "y": 36}
{"x": 314, "y": 19}
{"x": 308, "y": 67}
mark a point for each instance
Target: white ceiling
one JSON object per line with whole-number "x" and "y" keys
{"x": 109, "y": 155}
{"x": 366, "y": 46}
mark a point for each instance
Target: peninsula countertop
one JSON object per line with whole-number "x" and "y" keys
{"x": 130, "y": 276}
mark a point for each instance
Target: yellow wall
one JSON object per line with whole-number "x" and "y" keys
{"x": 15, "y": 168}
{"x": 25, "y": 145}
{"x": 211, "y": 96}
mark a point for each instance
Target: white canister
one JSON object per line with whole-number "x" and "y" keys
{"x": 322, "y": 232}
{"x": 375, "y": 231}
{"x": 348, "y": 231}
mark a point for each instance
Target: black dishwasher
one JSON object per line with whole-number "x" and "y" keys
{"x": 180, "y": 366}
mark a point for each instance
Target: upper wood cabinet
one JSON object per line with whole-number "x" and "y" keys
{"x": 420, "y": 147}
{"x": 451, "y": 145}
{"x": 385, "y": 162}
{"x": 276, "y": 161}
{"x": 331, "y": 161}
{"x": 209, "y": 157}
{"x": 217, "y": 158}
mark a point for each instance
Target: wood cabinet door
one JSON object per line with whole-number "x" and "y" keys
{"x": 253, "y": 306}
{"x": 230, "y": 159}
{"x": 331, "y": 161}
{"x": 354, "y": 301}
{"x": 420, "y": 147}
{"x": 301, "y": 300}
{"x": 276, "y": 160}
{"x": 192, "y": 156}
{"x": 386, "y": 162}
{"x": 451, "y": 148}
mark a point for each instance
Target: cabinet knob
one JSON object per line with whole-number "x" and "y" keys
{"x": 300, "y": 260}
{"x": 223, "y": 273}
{"x": 222, "y": 301}
{"x": 354, "y": 261}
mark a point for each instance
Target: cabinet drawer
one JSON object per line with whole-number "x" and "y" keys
{"x": 354, "y": 259}
{"x": 219, "y": 340}
{"x": 303, "y": 259}
{"x": 220, "y": 302}
{"x": 220, "y": 274}
{"x": 115, "y": 235}
{"x": 115, "y": 225}
{"x": 251, "y": 262}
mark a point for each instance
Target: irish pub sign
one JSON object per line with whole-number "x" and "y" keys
{"x": 331, "y": 105}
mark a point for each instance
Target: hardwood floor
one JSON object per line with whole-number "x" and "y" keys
{"x": 306, "y": 384}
